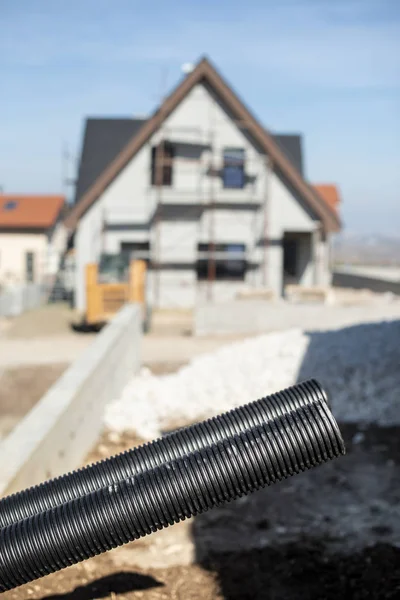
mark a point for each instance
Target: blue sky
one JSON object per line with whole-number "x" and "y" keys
{"x": 329, "y": 69}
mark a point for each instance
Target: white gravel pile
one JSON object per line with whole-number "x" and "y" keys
{"x": 359, "y": 365}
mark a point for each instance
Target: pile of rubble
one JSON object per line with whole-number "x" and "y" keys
{"x": 359, "y": 365}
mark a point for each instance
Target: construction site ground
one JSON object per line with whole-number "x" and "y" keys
{"x": 326, "y": 534}
{"x": 47, "y": 336}
{"x": 21, "y": 388}
{"x": 41, "y": 336}
{"x": 35, "y": 349}
{"x": 287, "y": 542}
{"x": 37, "y": 346}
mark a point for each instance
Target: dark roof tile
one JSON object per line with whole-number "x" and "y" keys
{"x": 291, "y": 144}
{"x": 103, "y": 140}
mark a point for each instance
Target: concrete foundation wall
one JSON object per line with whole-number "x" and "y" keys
{"x": 253, "y": 317}
{"x": 59, "y": 431}
{"x": 235, "y": 317}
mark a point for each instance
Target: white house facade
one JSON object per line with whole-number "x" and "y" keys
{"x": 213, "y": 201}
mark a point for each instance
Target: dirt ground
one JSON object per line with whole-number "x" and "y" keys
{"x": 332, "y": 532}
{"x": 35, "y": 349}
{"x": 21, "y": 388}
{"x": 48, "y": 320}
{"x": 42, "y": 336}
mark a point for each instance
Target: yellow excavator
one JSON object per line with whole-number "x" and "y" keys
{"x": 110, "y": 284}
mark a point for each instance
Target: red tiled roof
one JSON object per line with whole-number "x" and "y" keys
{"x": 29, "y": 212}
{"x": 330, "y": 194}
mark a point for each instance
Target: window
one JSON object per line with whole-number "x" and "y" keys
{"x": 113, "y": 268}
{"x": 10, "y": 205}
{"x": 230, "y": 261}
{"x": 29, "y": 267}
{"x": 162, "y": 164}
{"x": 233, "y": 171}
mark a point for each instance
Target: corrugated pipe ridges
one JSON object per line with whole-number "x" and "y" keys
{"x": 107, "y": 472}
{"x": 293, "y": 441}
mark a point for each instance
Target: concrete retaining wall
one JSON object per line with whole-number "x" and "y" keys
{"x": 236, "y": 317}
{"x": 360, "y": 282}
{"x": 18, "y": 299}
{"x": 252, "y": 317}
{"x": 58, "y": 432}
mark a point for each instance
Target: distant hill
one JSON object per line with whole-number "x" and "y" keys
{"x": 361, "y": 249}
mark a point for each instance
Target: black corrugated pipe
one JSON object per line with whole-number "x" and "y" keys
{"x": 172, "y": 446}
{"x": 116, "y": 514}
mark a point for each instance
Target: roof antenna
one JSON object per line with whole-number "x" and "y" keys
{"x": 67, "y": 161}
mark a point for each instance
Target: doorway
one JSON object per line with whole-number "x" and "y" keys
{"x": 297, "y": 259}
{"x": 29, "y": 267}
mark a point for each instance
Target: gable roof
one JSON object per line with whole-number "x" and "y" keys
{"x": 291, "y": 144}
{"x": 205, "y": 71}
{"x": 330, "y": 193}
{"x": 29, "y": 212}
{"x": 104, "y": 138}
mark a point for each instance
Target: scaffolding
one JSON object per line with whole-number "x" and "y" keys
{"x": 208, "y": 166}
{"x": 208, "y": 169}
{"x": 208, "y": 172}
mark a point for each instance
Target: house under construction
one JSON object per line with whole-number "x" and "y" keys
{"x": 201, "y": 190}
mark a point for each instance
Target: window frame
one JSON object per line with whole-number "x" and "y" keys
{"x": 226, "y": 269}
{"x": 167, "y": 151}
{"x": 234, "y": 165}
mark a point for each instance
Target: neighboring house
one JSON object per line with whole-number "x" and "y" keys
{"x": 330, "y": 194}
{"x": 206, "y": 193}
{"x": 30, "y": 244}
